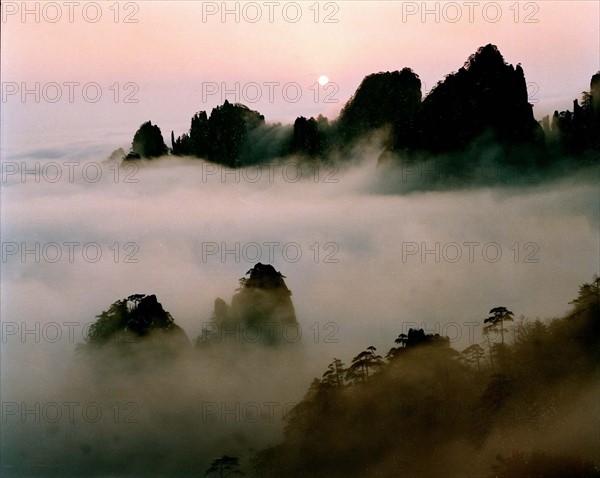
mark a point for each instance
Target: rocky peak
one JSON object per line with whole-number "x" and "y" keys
{"x": 485, "y": 96}
{"x": 260, "y": 310}
{"x": 382, "y": 99}
{"x": 264, "y": 276}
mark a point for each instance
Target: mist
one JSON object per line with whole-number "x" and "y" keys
{"x": 368, "y": 252}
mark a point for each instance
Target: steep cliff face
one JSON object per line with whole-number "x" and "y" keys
{"x": 486, "y": 95}
{"x": 261, "y": 311}
{"x": 391, "y": 99}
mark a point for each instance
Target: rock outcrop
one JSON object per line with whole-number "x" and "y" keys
{"x": 147, "y": 143}
{"x": 261, "y": 311}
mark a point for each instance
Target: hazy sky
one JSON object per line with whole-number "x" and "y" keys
{"x": 179, "y": 50}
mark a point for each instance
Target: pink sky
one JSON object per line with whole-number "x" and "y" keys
{"x": 172, "y": 50}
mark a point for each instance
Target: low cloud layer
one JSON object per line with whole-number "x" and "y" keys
{"x": 364, "y": 261}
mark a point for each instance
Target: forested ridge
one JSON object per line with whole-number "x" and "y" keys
{"x": 427, "y": 409}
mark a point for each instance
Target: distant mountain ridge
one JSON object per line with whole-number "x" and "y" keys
{"x": 485, "y": 101}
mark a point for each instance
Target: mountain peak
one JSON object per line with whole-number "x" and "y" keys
{"x": 486, "y": 57}
{"x": 260, "y": 310}
{"x": 264, "y": 276}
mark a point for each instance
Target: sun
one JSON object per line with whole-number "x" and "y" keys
{"x": 323, "y": 80}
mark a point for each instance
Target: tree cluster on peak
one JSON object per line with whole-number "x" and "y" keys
{"x": 135, "y": 329}
{"x": 138, "y": 316}
{"x": 220, "y": 137}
